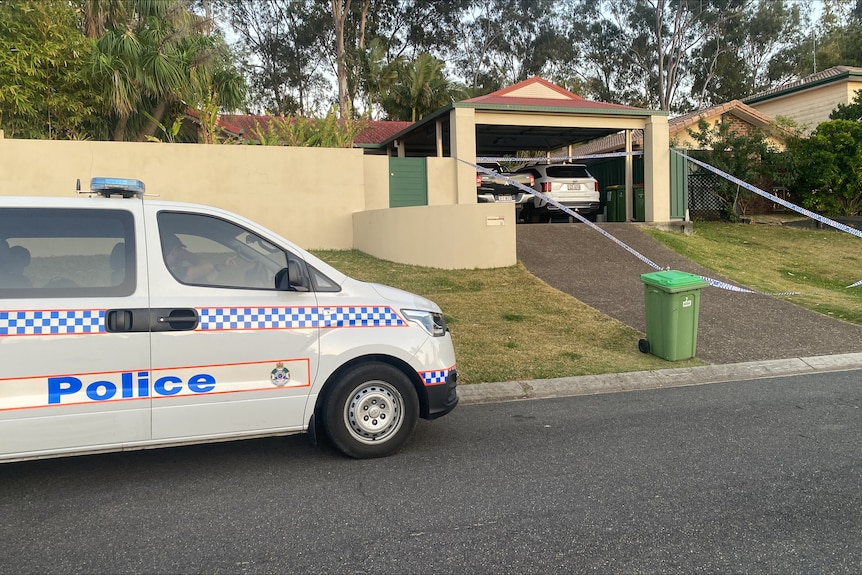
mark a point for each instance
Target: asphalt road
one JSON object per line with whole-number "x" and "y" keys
{"x": 757, "y": 476}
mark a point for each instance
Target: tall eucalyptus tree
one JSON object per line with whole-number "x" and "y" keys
{"x": 284, "y": 52}
{"x": 747, "y": 52}
{"x": 652, "y": 41}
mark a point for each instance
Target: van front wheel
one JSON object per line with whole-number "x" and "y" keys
{"x": 371, "y": 411}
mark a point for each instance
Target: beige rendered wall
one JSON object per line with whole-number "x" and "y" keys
{"x": 442, "y": 179}
{"x": 304, "y": 194}
{"x": 466, "y": 236}
{"x": 376, "y": 182}
{"x": 309, "y": 195}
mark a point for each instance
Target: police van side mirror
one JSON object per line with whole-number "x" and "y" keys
{"x": 282, "y": 280}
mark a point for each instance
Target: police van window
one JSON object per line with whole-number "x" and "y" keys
{"x": 208, "y": 251}
{"x": 49, "y": 252}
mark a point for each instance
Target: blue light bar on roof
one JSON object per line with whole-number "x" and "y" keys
{"x": 117, "y": 187}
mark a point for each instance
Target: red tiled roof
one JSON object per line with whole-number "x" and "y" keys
{"x": 745, "y": 111}
{"x": 376, "y": 132}
{"x": 379, "y": 131}
{"x": 244, "y": 123}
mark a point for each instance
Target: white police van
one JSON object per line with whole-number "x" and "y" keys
{"x": 128, "y": 323}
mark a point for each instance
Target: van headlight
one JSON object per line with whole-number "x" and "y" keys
{"x": 431, "y": 321}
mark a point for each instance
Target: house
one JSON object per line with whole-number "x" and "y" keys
{"x": 809, "y": 101}
{"x": 700, "y": 198}
{"x": 742, "y": 117}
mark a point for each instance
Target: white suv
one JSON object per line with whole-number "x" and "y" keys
{"x": 569, "y": 184}
{"x": 129, "y": 323}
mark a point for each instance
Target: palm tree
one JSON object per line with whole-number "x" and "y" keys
{"x": 421, "y": 89}
{"x": 377, "y": 75}
{"x": 101, "y": 14}
{"x": 160, "y": 59}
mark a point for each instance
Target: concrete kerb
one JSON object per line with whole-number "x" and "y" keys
{"x": 662, "y": 378}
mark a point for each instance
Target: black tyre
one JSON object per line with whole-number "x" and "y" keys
{"x": 371, "y": 411}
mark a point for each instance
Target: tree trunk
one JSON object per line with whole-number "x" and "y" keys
{"x": 120, "y": 129}
{"x": 340, "y": 10}
{"x": 153, "y": 122}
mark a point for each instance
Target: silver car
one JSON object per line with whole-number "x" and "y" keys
{"x": 571, "y": 185}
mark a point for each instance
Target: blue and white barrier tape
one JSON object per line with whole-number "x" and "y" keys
{"x": 780, "y": 201}
{"x": 566, "y": 210}
{"x": 774, "y": 198}
{"x": 711, "y": 281}
{"x": 729, "y": 287}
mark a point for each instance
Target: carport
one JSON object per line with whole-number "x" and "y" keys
{"x": 538, "y": 116}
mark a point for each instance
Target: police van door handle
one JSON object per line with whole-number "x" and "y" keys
{"x": 127, "y": 320}
{"x": 171, "y": 319}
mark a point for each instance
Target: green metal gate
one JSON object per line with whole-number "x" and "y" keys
{"x": 678, "y": 184}
{"x": 408, "y": 182}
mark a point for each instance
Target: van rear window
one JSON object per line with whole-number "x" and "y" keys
{"x": 49, "y": 252}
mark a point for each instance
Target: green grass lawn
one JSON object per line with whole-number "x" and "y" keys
{"x": 500, "y": 334}
{"x": 777, "y": 259}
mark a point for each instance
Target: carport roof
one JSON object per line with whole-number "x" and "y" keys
{"x": 536, "y": 97}
{"x": 542, "y": 94}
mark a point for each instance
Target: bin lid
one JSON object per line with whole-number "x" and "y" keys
{"x": 673, "y": 280}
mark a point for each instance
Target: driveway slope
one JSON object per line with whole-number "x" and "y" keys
{"x": 733, "y": 327}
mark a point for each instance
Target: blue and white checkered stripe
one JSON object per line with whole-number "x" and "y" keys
{"x": 52, "y": 322}
{"x": 237, "y": 318}
{"x": 434, "y": 377}
{"x": 242, "y": 318}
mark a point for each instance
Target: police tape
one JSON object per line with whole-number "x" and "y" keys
{"x": 780, "y": 201}
{"x": 774, "y": 198}
{"x": 711, "y": 281}
{"x": 730, "y": 287}
{"x": 565, "y": 210}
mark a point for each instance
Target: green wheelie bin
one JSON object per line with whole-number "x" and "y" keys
{"x": 616, "y": 203}
{"x": 672, "y": 301}
{"x": 639, "y": 205}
